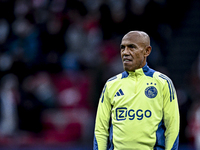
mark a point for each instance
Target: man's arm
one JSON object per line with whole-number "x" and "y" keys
{"x": 171, "y": 116}
{"x": 101, "y": 132}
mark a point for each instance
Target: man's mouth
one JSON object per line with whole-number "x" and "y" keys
{"x": 126, "y": 60}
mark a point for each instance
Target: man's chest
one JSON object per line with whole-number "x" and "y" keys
{"x": 136, "y": 99}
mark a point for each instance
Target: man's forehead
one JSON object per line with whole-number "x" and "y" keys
{"x": 135, "y": 37}
{"x": 128, "y": 42}
{"x": 131, "y": 39}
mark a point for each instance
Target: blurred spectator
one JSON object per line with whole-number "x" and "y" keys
{"x": 52, "y": 37}
{"x": 6, "y": 62}
{"x": 38, "y": 94}
{"x": 193, "y": 128}
{"x": 41, "y": 86}
{"x": 30, "y": 108}
{"x": 106, "y": 21}
{"x": 4, "y": 31}
{"x": 25, "y": 41}
{"x": 9, "y": 99}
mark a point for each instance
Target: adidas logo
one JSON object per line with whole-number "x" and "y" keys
{"x": 119, "y": 93}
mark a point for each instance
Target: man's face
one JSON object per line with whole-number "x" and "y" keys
{"x": 132, "y": 52}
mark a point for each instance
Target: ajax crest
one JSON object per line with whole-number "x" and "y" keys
{"x": 151, "y": 92}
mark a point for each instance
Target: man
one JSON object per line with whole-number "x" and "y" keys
{"x": 138, "y": 109}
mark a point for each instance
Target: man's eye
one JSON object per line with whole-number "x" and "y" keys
{"x": 122, "y": 47}
{"x": 131, "y": 46}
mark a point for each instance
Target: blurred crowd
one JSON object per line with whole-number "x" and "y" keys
{"x": 55, "y": 56}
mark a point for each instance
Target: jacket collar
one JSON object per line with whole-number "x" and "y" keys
{"x": 138, "y": 72}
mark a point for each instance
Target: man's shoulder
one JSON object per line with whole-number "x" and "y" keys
{"x": 116, "y": 77}
{"x": 162, "y": 77}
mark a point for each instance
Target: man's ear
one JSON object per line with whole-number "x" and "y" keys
{"x": 147, "y": 51}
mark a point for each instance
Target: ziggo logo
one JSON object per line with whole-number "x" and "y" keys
{"x": 123, "y": 113}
